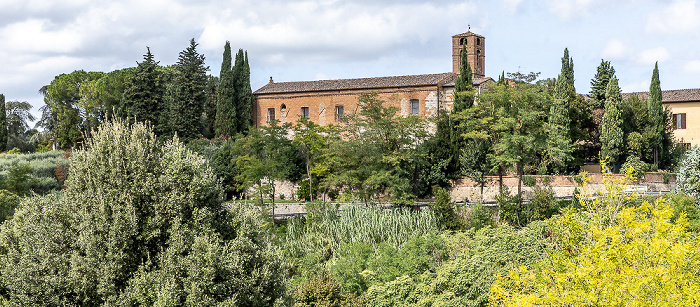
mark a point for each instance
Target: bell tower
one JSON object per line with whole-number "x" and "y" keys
{"x": 476, "y": 52}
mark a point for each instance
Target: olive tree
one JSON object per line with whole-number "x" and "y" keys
{"x": 139, "y": 223}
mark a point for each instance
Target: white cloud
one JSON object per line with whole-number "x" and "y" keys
{"x": 641, "y": 86}
{"x": 680, "y": 17}
{"x": 568, "y": 9}
{"x": 651, "y": 56}
{"x": 39, "y": 36}
{"x": 692, "y": 67}
{"x": 512, "y": 5}
{"x": 614, "y": 49}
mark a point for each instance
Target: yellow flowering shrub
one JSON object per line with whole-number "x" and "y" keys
{"x": 610, "y": 253}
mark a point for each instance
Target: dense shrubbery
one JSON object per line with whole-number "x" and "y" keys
{"x": 167, "y": 241}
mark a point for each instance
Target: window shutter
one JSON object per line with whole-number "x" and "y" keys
{"x": 683, "y": 120}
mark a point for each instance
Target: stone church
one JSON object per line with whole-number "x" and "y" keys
{"x": 326, "y": 101}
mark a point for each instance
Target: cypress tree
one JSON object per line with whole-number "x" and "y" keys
{"x": 226, "y": 119}
{"x": 143, "y": 96}
{"x": 188, "y": 93}
{"x": 656, "y": 113}
{"x": 599, "y": 84}
{"x": 245, "y": 110}
{"x": 464, "y": 85}
{"x": 559, "y": 141}
{"x": 612, "y": 136}
{"x": 3, "y": 123}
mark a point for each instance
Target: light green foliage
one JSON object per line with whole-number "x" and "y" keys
{"x": 138, "y": 224}
{"x": 8, "y": 203}
{"x": 611, "y": 135}
{"x": 464, "y": 280}
{"x": 688, "y": 176}
{"x": 18, "y": 180}
{"x": 637, "y": 165}
{"x": 609, "y": 254}
{"x": 43, "y": 166}
{"x": 543, "y": 205}
{"x": 322, "y": 290}
{"x": 311, "y": 140}
{"x": 479, "y": 217}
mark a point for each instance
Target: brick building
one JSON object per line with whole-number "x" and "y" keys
{"x": 325, "y": 101}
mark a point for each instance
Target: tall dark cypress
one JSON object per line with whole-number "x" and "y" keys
{"x": 559, "y": 142}
{"x": 3, "y": 123}
{"x": 226, "y": 123}
{"x": 188, "y": 95}
{"x": 464, "y": 85}
{"x": 143, "y": 96}
{"x": 242, "y": 84}
{"x": 656, "y": 113}
{"x": 245, "y": 110}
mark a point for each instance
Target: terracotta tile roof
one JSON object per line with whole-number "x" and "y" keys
{"x": 348, "y": 84}
{"x": 684, "y": 95}
{"x": 477, "y": 81}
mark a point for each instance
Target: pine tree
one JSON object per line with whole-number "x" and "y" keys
{"x": 143, "y": 97}
{"x": 464, "y": 85}
{"x": 612, "y": 136}
{"x": 599, "y": 84}
{"x": 3, "y": 123}
{"x": 656, "y": 113}
{"x": 559, "y": 142}
{"x": 188, "y": 93}
{"x": 226, "y": 119}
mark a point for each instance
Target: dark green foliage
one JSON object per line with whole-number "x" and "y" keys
{"x": 476, "y": 162}
{"x": 599, "y": 84}
{"x": 3, "y": 124}
{"x": 210, "y": 105}
{"x": 226, "y": 124}
{"x": 559, "y": 144}
{"x": 683, "y": 203}
{"x": 138, "y": 224}
{"x": 244, "y": 94}
{"x": 143, "y": 95}
{"x": 19, "y": 180}
{"x": 445, "y": 209}
{"x": 464, "y": 85}
{"x": 543, "y": 205}
{"x": 186, "y": 95}
{"x": 19, "y": 134}
{"x": 612, "y": 136}
{"x": 303, "y": 190}
{"x": 511, "y": 210}
{"x": 438, "y": 164}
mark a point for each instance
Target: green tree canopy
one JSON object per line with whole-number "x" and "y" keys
{"x": 143, "y": 95}
{"x": 612, "y": 136}
{"x": 3, "y": 123}
{"x": 138, "y": 224}
{"x": 226, "y": 117}
{"x": 186, "y": 95}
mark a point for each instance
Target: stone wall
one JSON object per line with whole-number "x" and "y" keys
{"x": 561, "y": 186}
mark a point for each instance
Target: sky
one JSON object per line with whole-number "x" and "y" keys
{"x": 292, "y": 40}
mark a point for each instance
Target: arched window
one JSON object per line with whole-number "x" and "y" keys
{"x": 478, "y": 41}
{"x": 463, "y": 41}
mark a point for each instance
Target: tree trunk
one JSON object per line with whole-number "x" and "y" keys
{"x": 520, "y": 182}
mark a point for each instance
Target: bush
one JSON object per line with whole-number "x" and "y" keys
{"x": 323, "y": 291}
{"x": 688, "y": 176}
{"x": 511, "y": 210}
{"x": 445, "y": 210}
{"x": 8, "y": 204}
{"x": 480, "y": 217}
{"x": 137, "y": 224}
{"x": 543, "y": 203}
{"x": 637, "y": 165}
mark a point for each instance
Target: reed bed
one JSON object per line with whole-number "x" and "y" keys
{"x": 372, "y": 225}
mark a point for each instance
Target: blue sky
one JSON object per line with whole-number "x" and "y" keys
{"x": 309, "y": 40}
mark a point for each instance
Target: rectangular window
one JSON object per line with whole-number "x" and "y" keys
{"x": 338, "y": 113}
{"x": 270, "y": 114}
{"x": 679, "y": 120}
{"x": 415, "y": 107}
{"x": 305, "y": 112}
